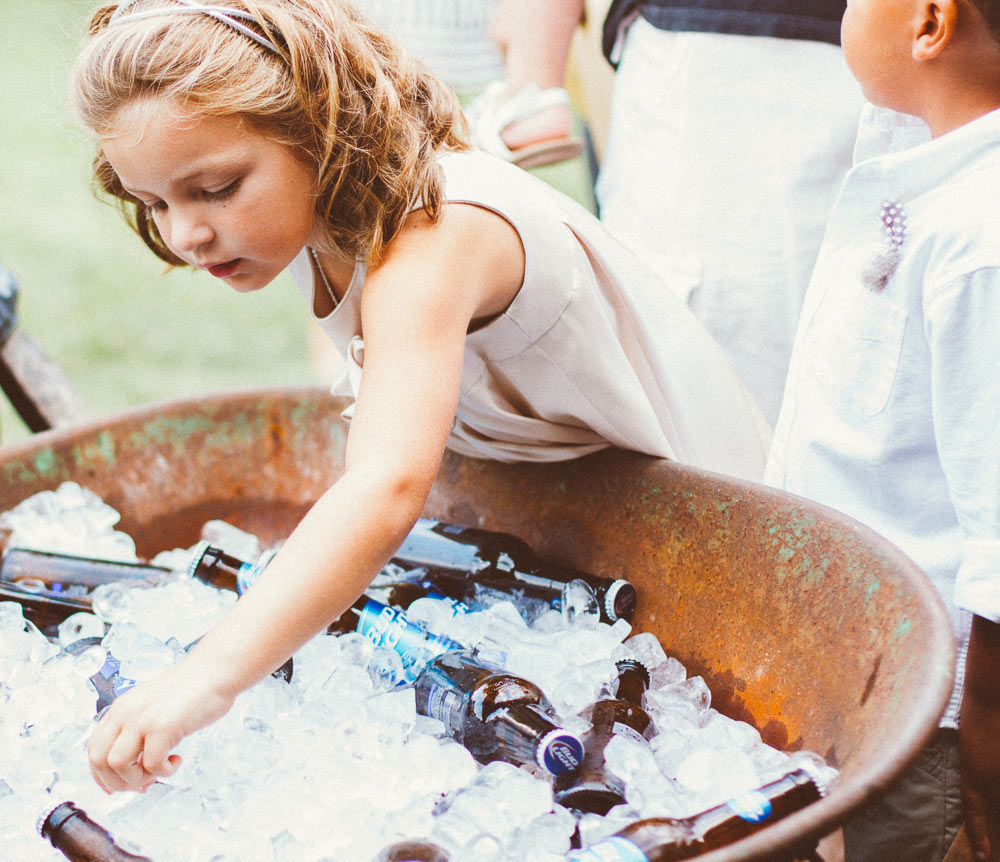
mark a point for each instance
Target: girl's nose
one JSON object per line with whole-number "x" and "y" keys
{"x": 188, "y": 231}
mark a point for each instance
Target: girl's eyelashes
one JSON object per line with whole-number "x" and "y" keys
{"x": 224, "y": 193}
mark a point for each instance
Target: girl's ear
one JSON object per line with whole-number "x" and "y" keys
{"x": 936, "y": 26}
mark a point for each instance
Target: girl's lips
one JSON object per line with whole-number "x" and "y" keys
{"x": 223, "y": 270}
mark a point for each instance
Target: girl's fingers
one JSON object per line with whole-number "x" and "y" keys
{"x": 124, "y": 761}
{"x": 156, "y": 758}
{"x": 98, "y": 746}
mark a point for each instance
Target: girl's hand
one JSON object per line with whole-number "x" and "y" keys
{"x": 130, "y": 747}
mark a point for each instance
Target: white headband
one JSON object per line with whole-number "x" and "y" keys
{"x": 190, "y": 7}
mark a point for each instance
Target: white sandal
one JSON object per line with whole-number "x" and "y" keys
{"x": 494, "y": 111}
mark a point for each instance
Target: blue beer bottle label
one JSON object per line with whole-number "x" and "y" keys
{"x": 752, "y": 806}
{"x": 613, "y": 849}
{"x": 387, "y": 627}
{"x": 245, "y": 576}
{"x": 249, "y": 572}
{"x": 457, "y": 608}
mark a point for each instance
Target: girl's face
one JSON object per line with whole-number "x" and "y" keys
{"x": 876, "y": 38}
{"x": 224, "y": 197}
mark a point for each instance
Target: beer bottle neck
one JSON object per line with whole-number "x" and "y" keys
{"x": 51, "y": 568}
{"x": 748, "y": 812}
{"x": 556, "y": 750}
{"x": 80, "y": 839}
{"x": 632, "y": 681}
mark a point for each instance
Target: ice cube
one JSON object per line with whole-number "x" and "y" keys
{"x": 231, "y": 539}
{"x": 78, "y": 626}
{"x": 644, "y": 647}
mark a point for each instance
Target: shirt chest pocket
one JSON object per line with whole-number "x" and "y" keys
{"x": 856, "y": 350}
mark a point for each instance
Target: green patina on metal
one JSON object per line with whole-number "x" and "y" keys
{"x": 301, "y": 415}
{"x": 17, "y": 471}
{"x": 872, "y": 588}
{"x": 241, "y": 429}
{"x": 172, "y": 430}
{"x": 46, "y": 462}
{"x": 813, "y": 573}
{"x": 106, "y": 446}
{"x": 647, "y": 498}
{"x": 903, "y": 629}
{"x": 785, "y": 553}
{"x": 102, "y": 448}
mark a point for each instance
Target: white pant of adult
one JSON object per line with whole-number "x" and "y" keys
{"x": 723, "y": 160}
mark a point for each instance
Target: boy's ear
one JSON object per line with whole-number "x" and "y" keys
{"x": 937, "y": 20}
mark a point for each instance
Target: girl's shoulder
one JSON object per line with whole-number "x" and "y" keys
{"x": 533, "y": 207}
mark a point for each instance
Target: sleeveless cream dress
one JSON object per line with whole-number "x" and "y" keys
{"x": 593, "y": 351}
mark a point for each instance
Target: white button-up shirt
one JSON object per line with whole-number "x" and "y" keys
{"x": 891, "y": 410}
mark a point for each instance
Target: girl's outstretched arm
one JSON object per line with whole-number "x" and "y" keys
{"x": 416, "y": 310}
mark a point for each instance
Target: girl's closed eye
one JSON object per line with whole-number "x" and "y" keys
{"x": 224, "y": 193}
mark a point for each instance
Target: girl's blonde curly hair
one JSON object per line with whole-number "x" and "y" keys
{"x": 339, "y": 91}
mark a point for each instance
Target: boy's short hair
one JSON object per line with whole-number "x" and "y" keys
{"x": 990, "y": 10}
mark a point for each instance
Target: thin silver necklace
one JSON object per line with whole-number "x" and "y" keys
{"x": 322, "y": 276}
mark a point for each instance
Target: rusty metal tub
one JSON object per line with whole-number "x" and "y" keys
{"x": 802, "y": 622}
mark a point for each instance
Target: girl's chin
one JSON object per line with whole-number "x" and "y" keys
{"x": 246, "y": 282}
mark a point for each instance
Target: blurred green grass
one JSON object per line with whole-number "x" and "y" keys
{"x": 92, "y": 296}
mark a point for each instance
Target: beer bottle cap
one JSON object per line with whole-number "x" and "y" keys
{"x": 592, "y": 797}
{"x": 198, "y": 553}
{"x": 620, "y": 600}
{"x": 633, "y": 664}
{"x": 53, "y": 818}
{"x": 559, "y": 751}
{"x": 817, "y": 769}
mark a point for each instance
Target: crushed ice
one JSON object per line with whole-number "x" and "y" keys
{"x": 332, "y": 766}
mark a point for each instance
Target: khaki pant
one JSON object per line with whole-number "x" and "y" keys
{"x": 918, "y": 819}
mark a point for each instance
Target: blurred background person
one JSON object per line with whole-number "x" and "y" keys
{"x": 729, "y": 128}
{"x": 732, "y": 125}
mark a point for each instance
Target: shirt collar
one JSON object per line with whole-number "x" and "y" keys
{"x": 900, "y": 147}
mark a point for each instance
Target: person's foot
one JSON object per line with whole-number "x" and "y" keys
{"x": 529, "y": 128}
{"x": 546, "y": 124}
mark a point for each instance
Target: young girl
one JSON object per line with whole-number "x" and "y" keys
{"x": 477, "y": 308}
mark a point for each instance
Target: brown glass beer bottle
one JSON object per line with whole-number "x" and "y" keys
{"x": 594, "y": 788}
{"x": 80, "y": 839}
{"x": 494, "y": 714}
{"x": 663, "y": 839}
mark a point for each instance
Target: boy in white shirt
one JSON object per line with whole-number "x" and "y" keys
{"x": 891, "y": 410}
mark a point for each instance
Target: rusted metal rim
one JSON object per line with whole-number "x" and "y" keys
{"x": 495, "y": 495}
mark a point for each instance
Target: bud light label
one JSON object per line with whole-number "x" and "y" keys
{"x": 387, "y": 627}
{"x": 562, "y": 753}
{"x": 752, "y": 806}
{"x": 457, "y": 608}
{"x": 613, "y": 849}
